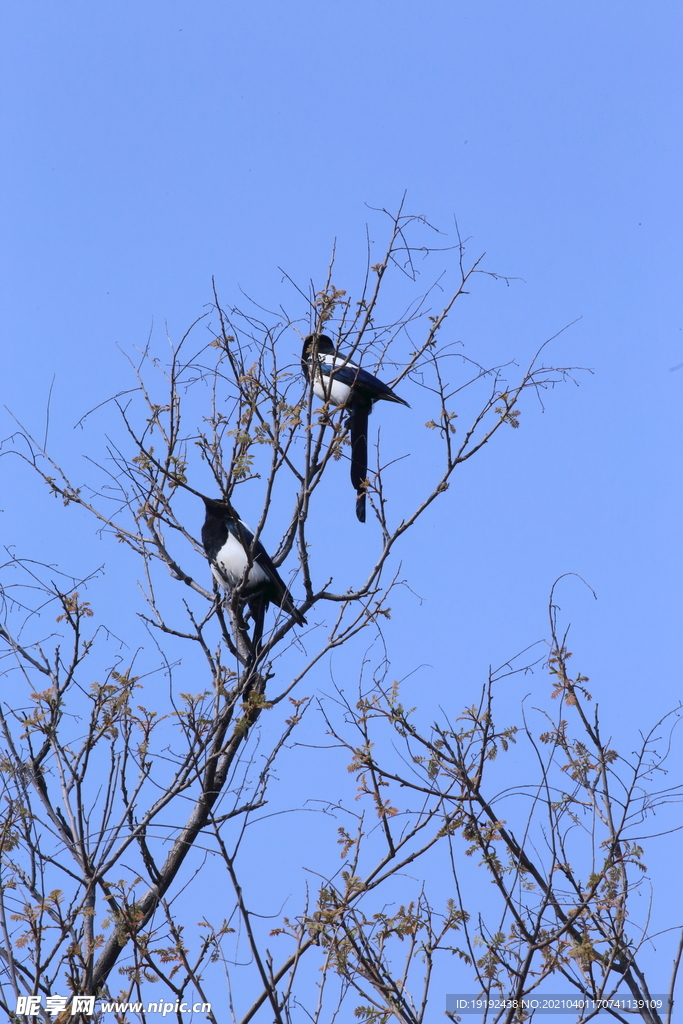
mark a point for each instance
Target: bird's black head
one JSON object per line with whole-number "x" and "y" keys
{"x": 319, "y": 341}
{"x": 219, "y": 508}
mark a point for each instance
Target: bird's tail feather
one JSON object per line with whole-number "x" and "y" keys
{"x": 358, "y": 424}
{"x": 287, "y": 604}
{"x": 257, "y": 607}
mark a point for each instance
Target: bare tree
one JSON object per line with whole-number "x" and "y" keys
{"x": 120, "y": 802}
{"x": 562, "y": 848}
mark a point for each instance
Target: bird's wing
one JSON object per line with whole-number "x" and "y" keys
{"x": 279, "y": 592}
{"x": 356, "y": 376}
{"x": 259, "y": 553}
{"x": 244, "y": 535}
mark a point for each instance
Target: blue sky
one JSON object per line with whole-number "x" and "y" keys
{"x": 150, "y": 146}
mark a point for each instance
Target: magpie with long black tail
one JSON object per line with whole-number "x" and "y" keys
{"x": 230, "y": 548}
{"x": 338, "y": 380}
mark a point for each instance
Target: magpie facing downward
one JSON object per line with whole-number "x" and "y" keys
{"x": 230, "y": 547}
{"x": 337, "y": 380}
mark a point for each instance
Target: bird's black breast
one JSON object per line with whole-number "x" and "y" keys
{"x": 214, "y": 535}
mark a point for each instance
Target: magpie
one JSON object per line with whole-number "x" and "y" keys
{"x": 340, "y": 381}
{"x": 230, "y": 548}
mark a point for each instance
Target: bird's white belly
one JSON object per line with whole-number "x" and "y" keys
{"x": 331, "y": 390}
{"x": 231, "y": 563}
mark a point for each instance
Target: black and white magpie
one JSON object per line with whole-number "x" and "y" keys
{"x": 230, "y": 548}
{"x": 340, "y": 381}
